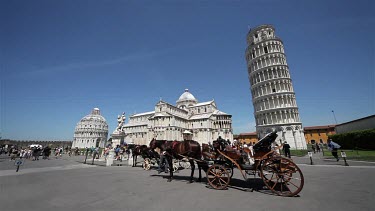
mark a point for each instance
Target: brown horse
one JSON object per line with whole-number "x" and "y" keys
{"x": 181, "y": 149}
{"x": 139, "y": 150}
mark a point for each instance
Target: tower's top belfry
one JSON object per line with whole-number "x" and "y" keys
{"x": 260, "y": 33}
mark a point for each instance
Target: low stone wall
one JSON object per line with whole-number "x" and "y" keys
{"x": 27, "y": 143}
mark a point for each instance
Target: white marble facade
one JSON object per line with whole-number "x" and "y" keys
{"x": 273, "y": 97}
{"x": 91, "y": 131}
{"x": 188, "y": 119}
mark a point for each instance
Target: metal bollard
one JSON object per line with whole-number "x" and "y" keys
{"x": 310, "y": 155}
{"x": 343, "y": 155}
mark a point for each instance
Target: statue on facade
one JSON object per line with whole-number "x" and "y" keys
{"x": 120, "y": 121}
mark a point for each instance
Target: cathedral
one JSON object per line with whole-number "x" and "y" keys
{"x": 187, "y": 120}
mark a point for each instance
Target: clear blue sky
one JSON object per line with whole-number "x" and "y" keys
{"x": 60, "y": 59}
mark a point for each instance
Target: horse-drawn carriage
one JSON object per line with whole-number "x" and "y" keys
{"x": 281, "y": 175}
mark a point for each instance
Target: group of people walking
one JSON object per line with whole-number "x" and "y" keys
{"x": 31, "y": 153}
{"x": 121, "y": 152}
{"x": 316, "y": 148}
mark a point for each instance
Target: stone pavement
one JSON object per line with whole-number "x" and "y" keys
{"x": 67, "y": 184}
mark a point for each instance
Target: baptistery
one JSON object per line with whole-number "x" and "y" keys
{"x": 91, "y": 131}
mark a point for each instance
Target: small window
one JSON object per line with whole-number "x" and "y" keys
{"x": 256, "y": 35}
{"x": 265, "y": 50}
{"x": 253, "y": 55}
{"x": 273, "y": 90}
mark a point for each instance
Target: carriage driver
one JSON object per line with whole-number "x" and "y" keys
{"x": 163, "y": 164}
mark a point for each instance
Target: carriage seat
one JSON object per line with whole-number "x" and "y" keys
{"x": 231, "y": 150}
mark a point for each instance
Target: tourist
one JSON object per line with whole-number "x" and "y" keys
{"x": 29, "y": 154}
{"x": 46, "y": 152}
{"x": 286, "y": 149}
{"x": 57, "y": 151}
{"x": 13, "y": 156}
{"x": 317, "y": 147}
{"x": 333, "y": 147}
{"x": 106, "y": 153}
{"x": 36, "y": 152}
{"x": 117, "y": 151}
{"x": 121, "y": 153}
{"x": 22, "y": 153}
{"x": 313, "y": 147}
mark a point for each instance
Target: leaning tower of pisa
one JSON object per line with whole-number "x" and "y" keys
{"x": 273, "y": 97}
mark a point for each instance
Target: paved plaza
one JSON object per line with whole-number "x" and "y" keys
{"x": 68, "y": 184}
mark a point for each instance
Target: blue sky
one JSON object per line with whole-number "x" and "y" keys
{"x": 60, "y": 59}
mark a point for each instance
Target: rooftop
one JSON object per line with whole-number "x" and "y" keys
{"x": 319, "y": 127}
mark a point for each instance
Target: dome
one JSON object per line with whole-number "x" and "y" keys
{"x": 92, "y": 121}
{"x": 187, "y": 96}
{"x": 94, "y": 117}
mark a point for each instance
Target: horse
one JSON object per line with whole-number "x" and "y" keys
{"x": 181, "y": 149}
{"x": 138, "y": 150}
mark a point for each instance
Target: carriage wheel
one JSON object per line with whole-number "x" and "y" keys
{"x": 230, "y": 170}
{"x": 282, "y": 176}
{"x": 218, "y": 177}
{"x": 175, "y": 166}
{"x": 184, "y": 164}
{"x": 146, "y": 164}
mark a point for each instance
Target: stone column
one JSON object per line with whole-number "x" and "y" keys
{"x": 130, "y": 161}
{"x": 295, "y": 140}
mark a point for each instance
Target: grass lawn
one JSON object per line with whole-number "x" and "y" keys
{"x": 299, "y": 152}
{"x": 354, "y": 155}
